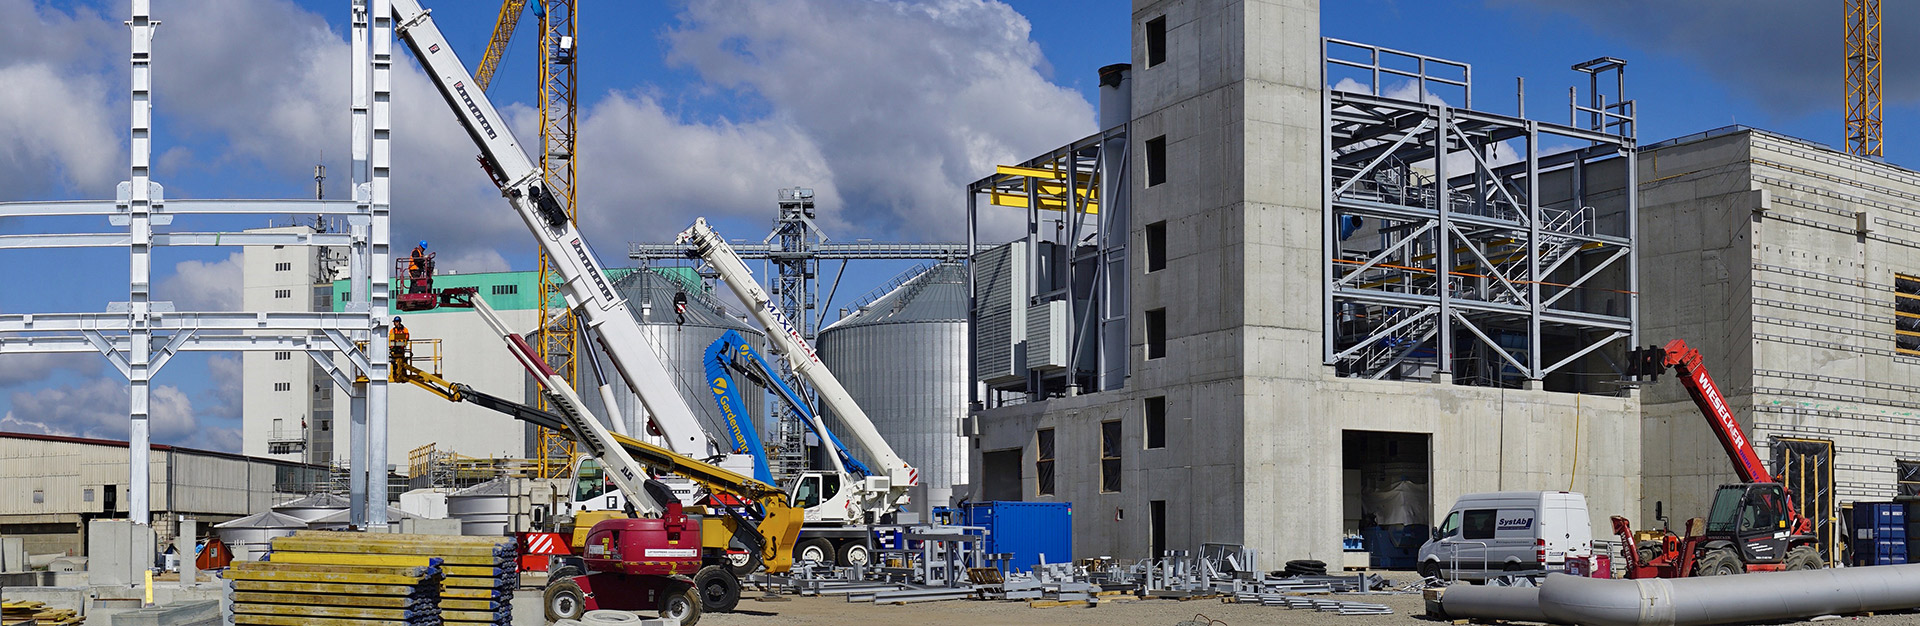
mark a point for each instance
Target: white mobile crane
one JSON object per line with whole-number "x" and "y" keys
{"x": 603, "y": 314}
{"x": 876, "y": 496}
{"x": 607, "y": 320}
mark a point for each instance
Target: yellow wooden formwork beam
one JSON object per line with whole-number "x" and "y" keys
{"x": 326, "y": 599}
{"x": 280, "y": 586}
{"x": 471, "y": 581}
{"x": 249, "y": 566}
{"x": 469, "y": 605}
{"x": 346, "y": 578}
{"x": 470, "y": 593}
{"x": 299, "y": 544}
{"x": 296, "y": 620}
{"x": 323, "y": 611}
{"x": 328, "y": 558}
{"x": 476, "y": 570}
{"x": 467, "y": 616}
{"x": 289, "y": 556}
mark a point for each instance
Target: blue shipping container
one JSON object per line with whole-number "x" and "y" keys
{"x": 1025, "y": 530}
{"x": 1879, "y": 533}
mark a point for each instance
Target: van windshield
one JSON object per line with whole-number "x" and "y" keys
{"x": 1451, "y": 526}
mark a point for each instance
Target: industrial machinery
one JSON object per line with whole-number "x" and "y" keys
{"x": 696, "y": 545}
{"x": 830, "y": 533}
{"x": 1752, "y": 526}
{"x": 860, "y": 495}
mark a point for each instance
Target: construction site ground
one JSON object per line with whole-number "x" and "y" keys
{"x": 836, "y": 611}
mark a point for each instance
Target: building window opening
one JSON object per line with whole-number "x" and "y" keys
{"x": 1110, "y": 457}
{"x": 1155, "y": 413}
{"x": 1906, "y": 311}
{"x": 1156, "y": 41}
{"x": 1156, "y": 160}
{"x": 1156, "y": 333}
{"x": 1043, "y": 461}
{"x": 1156, "y": 246}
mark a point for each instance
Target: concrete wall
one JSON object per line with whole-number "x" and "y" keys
{"x": 1792, "y": 306}
{"x": 1255, "y": 420}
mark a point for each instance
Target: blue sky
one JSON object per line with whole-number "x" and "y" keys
{"x": 886, "y": 108}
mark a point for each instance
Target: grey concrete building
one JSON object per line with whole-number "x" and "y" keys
{"x": 55, "y": 485}
{"x": 1789, "y": 265}
{"x": 1244, "y": 412}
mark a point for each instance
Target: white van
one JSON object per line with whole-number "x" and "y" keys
{"x": 1490, "y": 534}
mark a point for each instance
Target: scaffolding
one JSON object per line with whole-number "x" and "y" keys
{"x": 1470, "y": 247}
{"x": 139, "y": 336}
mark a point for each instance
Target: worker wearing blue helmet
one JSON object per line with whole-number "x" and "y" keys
{"x": 420, "y": 270}
{"x": 397, "y": 340}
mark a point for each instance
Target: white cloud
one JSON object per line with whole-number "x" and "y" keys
{"x": 227, "y": 374}
{"x": 886, "y": 108}
{"x": 98, "y": 409}
{"x": 18, "y": 368}
{"x": 203, "y": 286}
{"x": 473, "y": 262}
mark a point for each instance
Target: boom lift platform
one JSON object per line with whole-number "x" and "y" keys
{"x": 1752, "y": 526}
{"x": 624, "y": 583}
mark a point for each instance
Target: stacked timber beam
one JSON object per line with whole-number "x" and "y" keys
{"x": 476, "y": 575}
{"x": 36, "y": 613}
{"x": 343, "y": 593}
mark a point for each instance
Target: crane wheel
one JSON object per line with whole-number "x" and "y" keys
{"x": 1804, "y": 557}
{"x": 743, "y": 563}
{"x": 816, "y": 549}
{"x": 1721, "y": 562}
{"x": 681, "y": 604}
{"x": 719, "y": 590}
{"x": 563, "y": 600}
{"x": 852, "y": 553}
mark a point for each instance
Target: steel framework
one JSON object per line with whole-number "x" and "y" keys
{"x": 141, "y": 335}
{"x": 559, "y": 330}
{"x": 1863, "y": 77}
{"x": 1461, "y": 249}
{"x": 793, "y": 252}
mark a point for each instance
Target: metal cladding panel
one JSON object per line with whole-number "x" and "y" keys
{"x": 1027, "y": 530}
{"x": 1002, "y": 290}
{"x": 904, "y": 360}
{"x": 650, "y": 296}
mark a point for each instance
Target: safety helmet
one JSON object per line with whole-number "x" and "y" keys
{"x": 423, "y": 243}
{"x": 396, "y": 319}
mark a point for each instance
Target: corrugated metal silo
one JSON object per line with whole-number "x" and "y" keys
{"x": 903, "y": 357}
{"x": 649, "y": 293}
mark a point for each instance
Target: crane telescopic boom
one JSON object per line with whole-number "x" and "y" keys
{"x": 588, "y": 291}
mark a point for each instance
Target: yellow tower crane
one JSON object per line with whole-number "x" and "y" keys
{"x": 1863, "y": 77}
{"x": 559, "y": 111}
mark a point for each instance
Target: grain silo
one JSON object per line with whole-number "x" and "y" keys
{"x": 903, "y": 357}
{"x": 682, "y": 344}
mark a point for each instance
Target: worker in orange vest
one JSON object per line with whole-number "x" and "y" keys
{"x": 419, "y": 267}
{"x": 397, "y": 341}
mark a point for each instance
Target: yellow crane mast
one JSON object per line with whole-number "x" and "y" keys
{"x": 1863, "y": 77}
{"x": 559, "y": 331}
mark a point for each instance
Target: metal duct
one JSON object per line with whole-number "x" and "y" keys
{"x": 1514, "y": 604}
{"x": 1741, "y": 598}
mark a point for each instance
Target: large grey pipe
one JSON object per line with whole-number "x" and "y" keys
{"x": 1514, "y": 604}
{"x": 1741, "y": 598}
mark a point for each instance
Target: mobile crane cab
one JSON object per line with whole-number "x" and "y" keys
{"x": 1752, "y": 526}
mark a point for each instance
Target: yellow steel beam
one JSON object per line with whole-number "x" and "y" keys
{"x": 497, "y": 46}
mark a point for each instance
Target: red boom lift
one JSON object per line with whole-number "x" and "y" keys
{"x": 1753, "y": 525}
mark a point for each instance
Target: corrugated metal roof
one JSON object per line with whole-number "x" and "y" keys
{"x": 936, "y": 295}
{"x": 316, "y": 501}
{"x": 344, "y": 516}
{"x": 656, "y": 286}
{"x": 157, "y": 447}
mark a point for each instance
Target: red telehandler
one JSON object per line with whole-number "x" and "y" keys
{"x": 1752, "y": 526}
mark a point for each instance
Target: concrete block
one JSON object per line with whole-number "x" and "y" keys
{"x": 448, "y": 526}
{"x": 118, "y": 552}
{"x": 190, "y": 613}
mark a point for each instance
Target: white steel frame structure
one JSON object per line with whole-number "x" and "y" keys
{"x": 1517, "y": 266}
{"x": 139, "y": 336}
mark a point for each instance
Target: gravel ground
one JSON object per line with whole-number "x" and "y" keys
{"x": 832, "y": 610}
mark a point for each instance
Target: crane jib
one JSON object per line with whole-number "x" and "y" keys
{"x": 787, "y": 326}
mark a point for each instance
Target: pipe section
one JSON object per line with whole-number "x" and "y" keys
{"x": 1741, "y": 598}
{"x": 1514, "y": 604}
